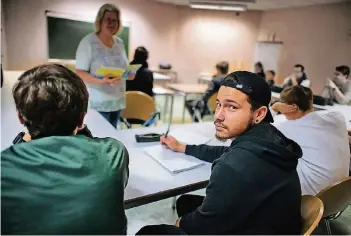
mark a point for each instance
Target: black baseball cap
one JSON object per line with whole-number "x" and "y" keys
{"x": 253, "y": 86}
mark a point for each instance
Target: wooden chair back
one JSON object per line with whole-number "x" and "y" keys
{"x": 212, "y": 103}
{"x": 311, "y": 212}
{"x": 336, "y": 197}
{"x": 139, "y": 105}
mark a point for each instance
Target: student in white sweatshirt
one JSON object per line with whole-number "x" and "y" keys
{"x": 322, "y": 136}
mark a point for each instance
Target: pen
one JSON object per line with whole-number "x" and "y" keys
{"x": 169, "y": 126}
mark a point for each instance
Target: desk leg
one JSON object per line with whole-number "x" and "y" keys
{"x": 171, "y": 111}
{"x": 183, "y": 117}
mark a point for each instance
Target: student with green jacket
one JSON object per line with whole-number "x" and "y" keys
{"x": 59, "y": 179}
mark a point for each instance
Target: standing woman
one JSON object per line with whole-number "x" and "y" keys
{"x": 103, "y": 48}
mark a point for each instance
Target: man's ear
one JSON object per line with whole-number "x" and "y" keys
{"x": 20, "y": 118}
{"x": 260, "y": 114}
{"x": 81, "y": 122}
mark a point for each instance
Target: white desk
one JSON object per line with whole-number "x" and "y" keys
{"x": 148, "y": 180}
{"x": 343, "y": 109}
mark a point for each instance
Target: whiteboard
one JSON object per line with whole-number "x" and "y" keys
{"x": 268, "y": 53}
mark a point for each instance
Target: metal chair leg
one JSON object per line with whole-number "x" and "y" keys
{"x": 327, "y": 225}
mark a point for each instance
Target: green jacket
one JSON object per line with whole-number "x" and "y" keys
{"x": 64, "y": 185}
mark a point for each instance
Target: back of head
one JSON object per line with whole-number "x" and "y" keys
{"x": 301, "y": 96}
{"x": 141, "y": 55}
{"x": 260, "y": 66}
{"x": 223, "y": 67}
{"x": 51, "y": 100}
{"x": 345, "y": 70}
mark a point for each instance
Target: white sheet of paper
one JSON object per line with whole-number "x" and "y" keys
{"x": 187, "y": 137}
{"x": 174, "y": 162}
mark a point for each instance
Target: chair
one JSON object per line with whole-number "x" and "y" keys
{"x": 140, "y": 109}
{"x": 211, "y": 103}
{"x": 336, "y": 199}
{"x": 209, "y": 108}
{"x": 311, "y": 212}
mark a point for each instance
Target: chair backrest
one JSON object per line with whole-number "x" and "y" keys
{"x": 139, "y": 105}
{"x": 336, "y": 197}
{"x": 212, "y": 102}
{"x": 311, "y": 212}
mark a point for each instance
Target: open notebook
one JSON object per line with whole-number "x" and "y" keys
{"x": 175, "y": 162}
{"x": 178, "y": 162}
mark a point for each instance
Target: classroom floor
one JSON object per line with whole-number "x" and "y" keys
{"x": 162, "y": 213}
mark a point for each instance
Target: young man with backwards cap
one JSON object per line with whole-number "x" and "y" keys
{"x": 254, "y": 186}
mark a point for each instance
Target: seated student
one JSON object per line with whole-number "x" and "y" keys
{"x": 298, "y": 77}
{"x": 259, "y": 70}
{"x": 201, "y": 105}
{"x": 270, "y": 75}
{"x": 254, "y": 187}
{"x": 144, "y": 79}
{"x": 322, "y": 136}
{"x": 339, "y": 88}
{"x": 60, "y": 180}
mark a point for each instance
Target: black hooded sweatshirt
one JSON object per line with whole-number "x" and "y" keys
{"x": 253, "y": 189}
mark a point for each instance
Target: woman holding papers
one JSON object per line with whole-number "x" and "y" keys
{"x": 103, "y": 49}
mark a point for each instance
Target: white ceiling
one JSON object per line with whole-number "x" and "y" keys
{"x": 266, "y": 4}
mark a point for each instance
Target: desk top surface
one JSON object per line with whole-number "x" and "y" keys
{"x": 189, "y": 88}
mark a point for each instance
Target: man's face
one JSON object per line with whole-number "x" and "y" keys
{"x": 298, "y": 72}
{"x": 233, "y": 113}
{"x": 339, "y": 78}
{"x": 269, "y": 75}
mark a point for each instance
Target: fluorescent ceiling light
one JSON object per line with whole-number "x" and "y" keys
{"x": 218, "y": 7}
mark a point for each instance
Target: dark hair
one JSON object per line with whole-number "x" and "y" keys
{"x": 300, "y": 66}
{"x": 140, "y": 56}
{"x": 345, "y": 70}
{"x": 254, "y": 105}
{"x": 223, "y": 67}
{"x": 51, "y": 99}
{"x": 299, "y": 95}
{"x": 271, "y": 71}
{"x": 259, "y": 65}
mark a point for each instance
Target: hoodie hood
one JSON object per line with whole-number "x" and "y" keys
{"x": 268, "y": 143}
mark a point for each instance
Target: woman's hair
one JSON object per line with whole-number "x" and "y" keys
{"x": 100, "y": 15}
{"x": 259, "y": 65}
{"x": 141, "y": 54}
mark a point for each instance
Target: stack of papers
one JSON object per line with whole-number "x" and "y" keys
{"x": 174, "y": 162}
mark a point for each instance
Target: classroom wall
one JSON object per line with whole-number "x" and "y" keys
{"x": 207, "y": 37}
{"x": 319, "y": 37}
{"x": 26, "y": 34}
{"x": 165, "y": 30}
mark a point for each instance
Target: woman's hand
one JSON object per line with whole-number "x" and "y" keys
{"x": 110, "y": 80}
